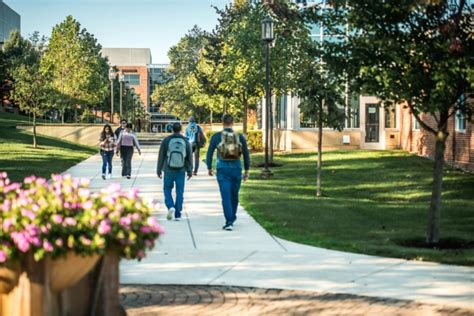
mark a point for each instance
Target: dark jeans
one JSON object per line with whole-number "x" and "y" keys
{"x": 107, "y": 160}
{"x": 127, "y": 153}
{"x": 171, "y": 178}
{"x": 196, "y": 157}
{"x": 229, "y": 180}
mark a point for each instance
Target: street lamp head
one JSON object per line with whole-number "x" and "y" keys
{"x": 112, "y": 73}
{"x": 121, "y": 77}
{"x": 267, "y": 29}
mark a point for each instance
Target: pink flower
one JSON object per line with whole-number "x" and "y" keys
{"x": 59, "y": 242}
{"x": 103, "y": 211}
{"x": 57, "y": 219}
{"x": 3, "y": 256}
{"x": 28, "y": 214}
{"x": 136, "y": 216}
{"x": 48, "y": 247}
{"x": 133, "y": 193}
{"x": 35, "y": 241}
{"x": 86, "y": 241}
{"x": 87, "y": 205}
{"x": 3, "y": 175}
{"x": 125, "y": 221}
{"x": 140, "y": 254}
{"x": 7, "y": 224}
{"x": 145, "y": 229}
{"x": 70, "y": 221}
{"x": 104, "y": 227}
{"x": 149, "y": 243}
{"x": 44, "y": 229}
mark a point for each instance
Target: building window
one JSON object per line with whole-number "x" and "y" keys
{"x": 416, "y": 124}
{"x": 282, "y": 113}
{"x": 391, "y": 116}
{"x": 353, "y": 120}
{"x": 133, "y": 80}
{"x": 460, "y": 122}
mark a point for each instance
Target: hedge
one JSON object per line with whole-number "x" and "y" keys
{"x": 254, "y": 139}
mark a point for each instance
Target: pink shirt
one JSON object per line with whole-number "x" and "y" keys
{"x": 128, "y": 139}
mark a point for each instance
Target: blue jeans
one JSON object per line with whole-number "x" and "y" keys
{"x": 107, "y": 160}
{"x": 229, "y": 180}
{"x": 171, "y": 178}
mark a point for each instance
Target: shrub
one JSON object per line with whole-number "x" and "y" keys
{"x": 255, "y": 140}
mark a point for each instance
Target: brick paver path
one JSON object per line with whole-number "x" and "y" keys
{"x": 229, "y": 300}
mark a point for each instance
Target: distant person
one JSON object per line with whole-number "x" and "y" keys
{"x": 169, "y": 128}
{"x": 175, "y": 161}
{"x": 107, "y": 147}
{"x": 123, "y": 125}
{"x": 126, "y": 141}
{"x": 196, "y": 138}
{"x": 154, "y": 129}
{"x": 231, "y": 146}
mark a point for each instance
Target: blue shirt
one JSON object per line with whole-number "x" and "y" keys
{"x": 215, "y": 141}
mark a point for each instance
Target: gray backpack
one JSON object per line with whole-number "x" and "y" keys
{"x": 176, "y": 153}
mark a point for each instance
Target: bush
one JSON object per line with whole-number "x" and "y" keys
{"x": 255, "y": 140}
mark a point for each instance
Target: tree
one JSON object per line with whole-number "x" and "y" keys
{"x": 77, "y": 70}
{"x": 419, "y": 53}
{"x": 30, "y": 88}
{"x": 322, "y": 78}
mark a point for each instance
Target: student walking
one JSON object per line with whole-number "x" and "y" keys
{"x": 126, "y": 141}
{"x": 231, "y": 146}
{"x": 123, "y": 126}
{"x": 175, "y": 161}
{"x": 197, "y": 139}
{"x": 107, "y": 147}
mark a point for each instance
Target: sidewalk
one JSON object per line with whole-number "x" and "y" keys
{"x": 197, "y": 251}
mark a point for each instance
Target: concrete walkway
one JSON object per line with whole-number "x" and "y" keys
{"x": 197, "y": 251}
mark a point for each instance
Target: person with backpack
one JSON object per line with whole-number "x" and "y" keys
{"x": 125, "y": 143}
{"x": 231, "y": 146}
{"x": 175, "y": 160}
{"x": 196, "y": 137}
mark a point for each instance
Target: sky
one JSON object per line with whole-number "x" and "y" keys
{"x": 154, "y": 24}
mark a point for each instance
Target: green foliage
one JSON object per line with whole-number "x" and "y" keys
{"x": 255, "y": 140}
{"x": 74, "y": 63}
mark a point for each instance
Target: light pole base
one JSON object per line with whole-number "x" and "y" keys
{"x": 266, "y": 174}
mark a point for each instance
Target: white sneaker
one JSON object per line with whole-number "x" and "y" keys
{"x": 170, "y": 214}
{"x": 109, "y": 176}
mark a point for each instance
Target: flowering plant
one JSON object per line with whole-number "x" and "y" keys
{"x": 50, "y": 219}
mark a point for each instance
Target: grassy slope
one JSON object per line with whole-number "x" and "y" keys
{"x": 372, "y": 200}
{"x": 20, "y": 159}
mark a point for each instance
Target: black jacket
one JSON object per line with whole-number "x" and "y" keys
{"x": 162, "y": 161}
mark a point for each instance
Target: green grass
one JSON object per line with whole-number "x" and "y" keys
{"x": 371, "y": 201}
{"x": 20, "y": 159}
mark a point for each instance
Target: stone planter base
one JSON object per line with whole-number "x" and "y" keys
{"x": 67, "y": 271}
{"x": 9, "y": 275}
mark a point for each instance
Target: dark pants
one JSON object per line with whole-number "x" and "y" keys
{"x": 196, "y": 157}
{"x": 127, "y": 153}
{"x": 171, "y": 178}
{"x": 107, "y": 160}
{"x": 229, "y": 180}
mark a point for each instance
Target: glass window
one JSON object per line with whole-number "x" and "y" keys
{"x": 416, "y": 124}
{"x": 133, "y": 80}
{"x": 460, "y": 121}
{"x": 353, "y": 112}
{"x": 283, "y": 108}
{"x": 390, "y": 116}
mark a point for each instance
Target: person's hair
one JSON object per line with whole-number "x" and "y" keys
{"x": 123, "y": 120}
{"x": 227, "y": 119}
{"x": 176, "y": 127}
{"x": 103, "y": 133}
{"x": 129, "y": 125}
{"x": 191, "y": 119}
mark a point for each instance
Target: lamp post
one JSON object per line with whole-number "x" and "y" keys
{"x": 112, "y": 75}
{"x": 267, "y": 38}
{"x": 121, "y": 80}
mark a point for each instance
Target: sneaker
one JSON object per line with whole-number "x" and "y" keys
{"x": 128, "y": 177}
{"x": 109, "y": 176}
{"x": 228, "y": 227}
{"x": 170, "y": 214}
{"x": 195, "y": 173}
{"x": 178, "y": 219}
{"x": 103, "y": 177}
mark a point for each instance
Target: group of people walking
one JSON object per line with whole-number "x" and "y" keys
{"x": 120, "y": 142}
{"x": 178, "y": 159}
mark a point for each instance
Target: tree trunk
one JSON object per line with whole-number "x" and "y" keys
{"x": 245, "y": 118}
{"x": 62, "y": 116}
{"x": 434, "y": 214}
{"x": 34, "y": 130}
{"x": 320, "y": 150}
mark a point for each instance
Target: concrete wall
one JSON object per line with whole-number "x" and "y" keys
{"x": 305, "y": 140}
{"x": 77, "y": 133}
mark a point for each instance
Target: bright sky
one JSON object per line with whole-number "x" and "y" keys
{"x": 154, "y": 24}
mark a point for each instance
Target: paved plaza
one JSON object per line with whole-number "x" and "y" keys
{"x": 197, "y": 254}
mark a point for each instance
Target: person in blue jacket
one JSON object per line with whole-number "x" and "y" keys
{"x": 231, "y": 147}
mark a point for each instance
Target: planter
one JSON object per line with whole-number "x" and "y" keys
{"x": 67, "y": 271}
{"x": 9, "y": 275}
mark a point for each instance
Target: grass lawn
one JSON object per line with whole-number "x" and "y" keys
{"x": 20, "y": 159}
{"x": 373, "y": 202}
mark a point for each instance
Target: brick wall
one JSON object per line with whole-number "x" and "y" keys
{"x": 459, "y": 145}
{"x": 141, "y": 89}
